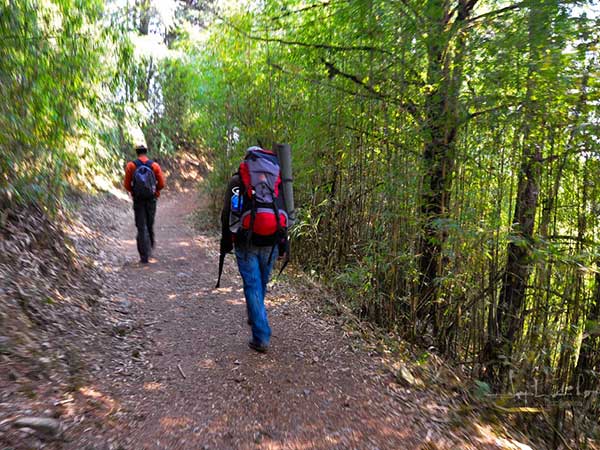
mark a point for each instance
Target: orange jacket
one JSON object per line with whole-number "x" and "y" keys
{"x": 130, "y": 169}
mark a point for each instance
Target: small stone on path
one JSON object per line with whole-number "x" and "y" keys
{"x": 44, "y": 425}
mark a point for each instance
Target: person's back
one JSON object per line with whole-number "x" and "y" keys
{"x": 144, "y": 180}
{"x": 254, "y": 221}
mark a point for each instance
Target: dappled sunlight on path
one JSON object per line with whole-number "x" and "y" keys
{"x": 194, "y": 384}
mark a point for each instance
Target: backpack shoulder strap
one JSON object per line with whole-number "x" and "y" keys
{"x": 138, "y": 163}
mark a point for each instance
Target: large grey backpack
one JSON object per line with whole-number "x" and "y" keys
{"x": 262, "y": 210}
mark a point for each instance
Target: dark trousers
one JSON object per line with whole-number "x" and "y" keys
{"x": 145, "y": 210}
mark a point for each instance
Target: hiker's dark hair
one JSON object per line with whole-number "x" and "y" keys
{"x": 141, "y": 150}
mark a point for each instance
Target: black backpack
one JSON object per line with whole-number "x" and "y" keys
{"x": 144, "y": 180}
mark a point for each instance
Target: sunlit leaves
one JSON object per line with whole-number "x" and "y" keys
{"x": 50, "y": 69}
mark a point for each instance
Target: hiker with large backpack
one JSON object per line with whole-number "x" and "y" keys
{"x": 254, "y": 221}
{"x": 144, "y": 180}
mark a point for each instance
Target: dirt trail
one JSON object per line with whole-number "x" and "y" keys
{"x": 192, "y": 382}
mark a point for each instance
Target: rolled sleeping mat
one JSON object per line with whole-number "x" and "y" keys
{"x": 284, "y": 154}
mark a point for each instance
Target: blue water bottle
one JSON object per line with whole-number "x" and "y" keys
{"x": 235, "y": 212}
{"x": 236, "y": 200}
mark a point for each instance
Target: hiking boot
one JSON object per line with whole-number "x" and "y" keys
{"x": 260, "y": 348}
{"x": 144, "y": 261}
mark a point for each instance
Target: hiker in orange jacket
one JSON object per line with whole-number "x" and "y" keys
{"x": 144, "y": 180}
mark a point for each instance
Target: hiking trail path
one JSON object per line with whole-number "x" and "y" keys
{"x": 184, "y": 377}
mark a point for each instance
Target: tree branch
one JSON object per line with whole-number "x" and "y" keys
{"x": 333, "y": 71}
{"x": 306, "y": 8}
{"x": 590, "y": 242}
{"x": 340, "y": 48}
{"x": 486, "y": 111}
{"x": 407, "y": 106}
{"x": 499, "y": 11}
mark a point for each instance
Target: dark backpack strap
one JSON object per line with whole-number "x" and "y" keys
{"x": 277, "y": 218}
{"x": 275, "y": 209}
{"x": 138, "y": 164}
{"x": 252, "y": 220}
{"x": 271, "y": 255}
{"x": 277, "y": 221}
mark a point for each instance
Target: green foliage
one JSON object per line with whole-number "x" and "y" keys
{"x": 481, "y": 389}
{"x": 55, "y": 124}
{"x": 355, "y": 87}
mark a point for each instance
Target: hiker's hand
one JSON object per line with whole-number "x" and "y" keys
{"x": 283, "y": 249}
{"x": 226, "y": 245}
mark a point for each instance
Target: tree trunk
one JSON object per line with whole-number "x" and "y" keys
{"x": 444, "y": 76}
{"x": 509, "y": 317}
{"x": 588, "y": 364}
{"x": 145, "y": 69}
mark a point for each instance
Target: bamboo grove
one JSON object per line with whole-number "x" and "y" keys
{"x": 78, "y": 87}
{"x": 446, "y": 161}
{"x": 446, "y": 152}
{"x": 60, "y": 66}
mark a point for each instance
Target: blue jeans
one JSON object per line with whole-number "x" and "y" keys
{"x": 255, "y": 265}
